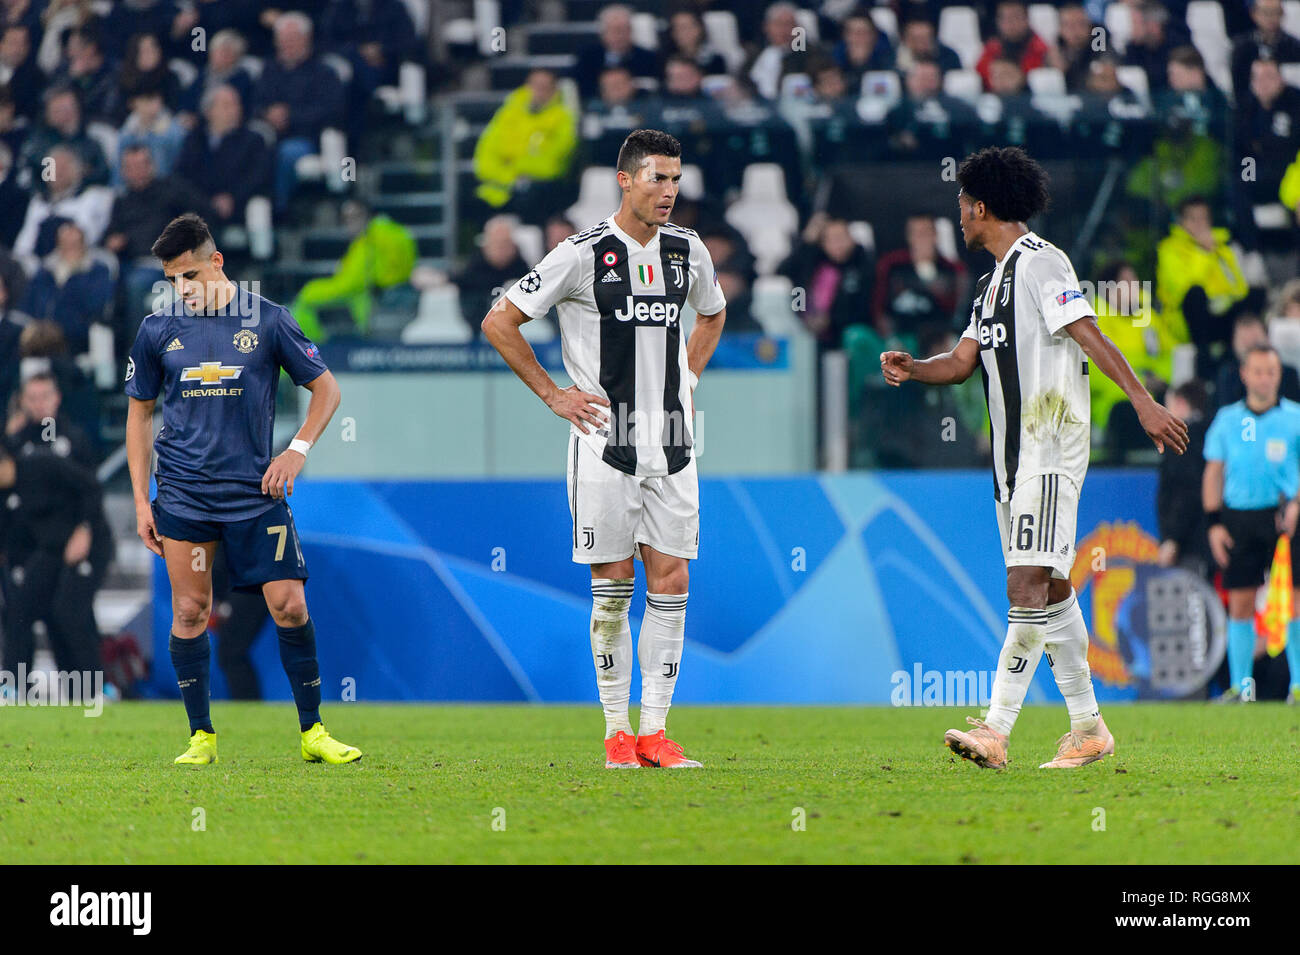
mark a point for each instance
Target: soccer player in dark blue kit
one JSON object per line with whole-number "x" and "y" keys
{"x": 214, "y": 355}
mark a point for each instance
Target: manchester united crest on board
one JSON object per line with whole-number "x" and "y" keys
{"x": 245, "y": 341}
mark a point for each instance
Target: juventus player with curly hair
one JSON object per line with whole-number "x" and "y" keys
{"x": 1032, "y": 332}
{"x": 619, "y": 288}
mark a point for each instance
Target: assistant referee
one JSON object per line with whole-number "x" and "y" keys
{"x": 1252, "y": 472}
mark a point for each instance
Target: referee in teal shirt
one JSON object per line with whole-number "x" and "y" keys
{"x": 1252, "y": 473}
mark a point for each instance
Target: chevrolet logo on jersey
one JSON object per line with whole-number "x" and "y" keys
{"x": 650, "y": 309}
{"x": 210, "y": 373}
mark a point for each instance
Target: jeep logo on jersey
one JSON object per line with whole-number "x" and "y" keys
{"x": 992, "y": 334}
{"x": 655, "y": 310}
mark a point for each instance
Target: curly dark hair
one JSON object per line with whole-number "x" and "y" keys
{"x": 646, "y": 142}
{"x": 1010, "y": 183}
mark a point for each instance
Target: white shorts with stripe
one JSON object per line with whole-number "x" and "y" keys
{"x": 614, "y": 511}
{"x": 1039, "y": 522}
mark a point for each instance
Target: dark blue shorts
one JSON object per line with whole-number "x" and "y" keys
{"x": 258, "y": 550}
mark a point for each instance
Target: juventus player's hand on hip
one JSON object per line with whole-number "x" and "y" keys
{"x": 1032, "y": 332}
{"x": 619, "y": 288}
{"x": 214, "y": 355}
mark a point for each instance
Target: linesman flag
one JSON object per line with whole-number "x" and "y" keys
{"x": 1277, "y": 606}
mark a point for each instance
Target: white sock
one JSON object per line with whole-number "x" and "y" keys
{"x": 663, "y": 633}
{"x": 611, "y": 650}
{"x": 1067, "y": 654}
{"x": 1026, "y": 632}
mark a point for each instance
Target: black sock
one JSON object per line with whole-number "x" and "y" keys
{"x": 298, "y": 655}
{"x": 192, "y": 660}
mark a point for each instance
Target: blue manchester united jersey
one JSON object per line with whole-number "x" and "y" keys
{"x": 216, "y": 373}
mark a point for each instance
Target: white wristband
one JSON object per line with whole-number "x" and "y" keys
{"x": 299, "y": 445}
{"x": 695, "y": 379}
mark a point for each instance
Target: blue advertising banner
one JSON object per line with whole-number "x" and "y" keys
{"x": 857, "y": 588}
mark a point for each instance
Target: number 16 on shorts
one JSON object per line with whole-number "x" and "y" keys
{"x": 1038, "y": 524}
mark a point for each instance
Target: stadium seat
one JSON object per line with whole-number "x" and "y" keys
{"x": 1210, "y": 35}
{"x": 261, "y": 231}
{"x": 959, "y": 28}
{"x": 864, "y": 235}
{"x": 963, "y": 84}
{"x": 1046, "y": 81}
{"x": 724, "y": 36}
{"x": 883, "y": 85}
{"x": 989, "y": 107}
{"x": 184, "y": 71}
{"x": 1284, "y": 334}
{"x": 438, "y": 320}
{"x": 946, "y": 240}
{"x": 1271, "y": 216}
{"x": 808, "y": 20}
{"x": 598, "y": 196}
{"x": 253, "y": 66}
{"x": 1290, "y": 73}
{"x": 529, "y": 240}
{"x": 1119, "y": 25}
{"x": 1135, "y": 78}
{"x": 1045, "y": 21}
{"x": 764, "y": 215}
{"x": 886, "y": 21}
{"x": 770, "y": 297}
{"x": 796, "y": 86}
{"x": 692, "y": 184}
{"x": 487, "y": 20}
{"x": 106, "y": 136}
{"x": 1291, "y": 17}
{"x": 419, "y": 11}
{"x": 340, "y": 66}
{"x": 409, "y": 96}
{"x": 645, "y": 30}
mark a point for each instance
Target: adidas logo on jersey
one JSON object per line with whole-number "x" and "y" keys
{"x": 175, "y": 345}
{"x": 611, "y": 276}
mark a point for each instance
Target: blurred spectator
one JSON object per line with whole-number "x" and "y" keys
{"x": 1140, "y": 333}
{"x": 682, "y": 105}
{"x": 614, "y": 49}
{"x": 223, "y": 67}
{"x": 927, "y": 122}
{"x": 767, "y": 67}
{"x": 380, "y": 256}
{"x": 491, "y": 268}
{"x": 42, "y": 347}
{"x": 1191, "y": 96}
{"x": 12, "y": 322}
{"x": 1268, "y": 41}
{"x": 13, "y": 198}
{"x": 144, "y": 69}
{"x": 863, "y": 48}
{"x": 919, "y": 41}
{"x": 1180, "y": 516}
{"x": 86, "y": 69}
{"x": 151, "y": 124}
{"x": 376, "y": 38}
{"x": 726, "y": 247}
{"x": 1267, "y": 132}
{"x": 73, "y": 287}
{"x": 221, "y": 143}
{"x": 1182, "y": 164}
{"x": 140, "y": 213}
{"x": 1199, "y": 283}
{"x": 740, "y": 303}
{"x": 39, "y": 424}
{"x": 62, "y": 126}
{"x": 1155, "y": 36}
{"x": 56, "y": 562}
{"x": 620, "y": 108}
{"x": 1248, "y": 331}
{"x": 686, "y": 38}
{"x": 922, "y": 427}
{"x": 836, "y": 275}
{"x": 1020, "y": 123}
{"x": 1076, "y": 47}
{"x": 126, "y": 19}
{"x": 18, "y": 70}
{"x": 831, "y": 86}
{"x": 65, "y": 196}
{"x": 1014, "y": 41}
{"x": 1286, "y": 301}
{"x": 530, "y": 140}
{"x": 57, "y": 19}
{"x": 916, "y": 285}
{"x": 558, "y": 228}
{"x": 299, "y": 96}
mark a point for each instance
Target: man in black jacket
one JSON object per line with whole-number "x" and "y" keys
{"x": 221, "y": 144}
{"x": 1180, "y": 518}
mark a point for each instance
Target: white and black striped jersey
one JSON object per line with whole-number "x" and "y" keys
{"x": 620, "y": 307}
{"x": 1035, "y": 374}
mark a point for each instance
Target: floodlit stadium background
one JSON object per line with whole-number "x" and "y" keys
{"x": 848, "y": 544}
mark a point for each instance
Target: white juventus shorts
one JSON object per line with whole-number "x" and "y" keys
{"x": 613, "y": 511}
{"x": 1039, "y": 522}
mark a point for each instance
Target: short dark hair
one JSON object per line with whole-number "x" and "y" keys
{"x": 1193, "y": 200}
{"x": 1260, "y": 348}
{"x": 1010, "y": 183}
{"x": 1187, "y": 56}
{"x": 40, "y": 376}
{"x": 183, "y": 234}
{"x": 1194, "y": 392}
{"x": 646, "y": 142}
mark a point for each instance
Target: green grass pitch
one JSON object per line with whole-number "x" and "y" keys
{"x": 1189, "y": 783}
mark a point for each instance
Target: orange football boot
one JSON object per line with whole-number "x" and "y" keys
{"x": 660, "y": 752}
{"x": 620, "y": 752}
